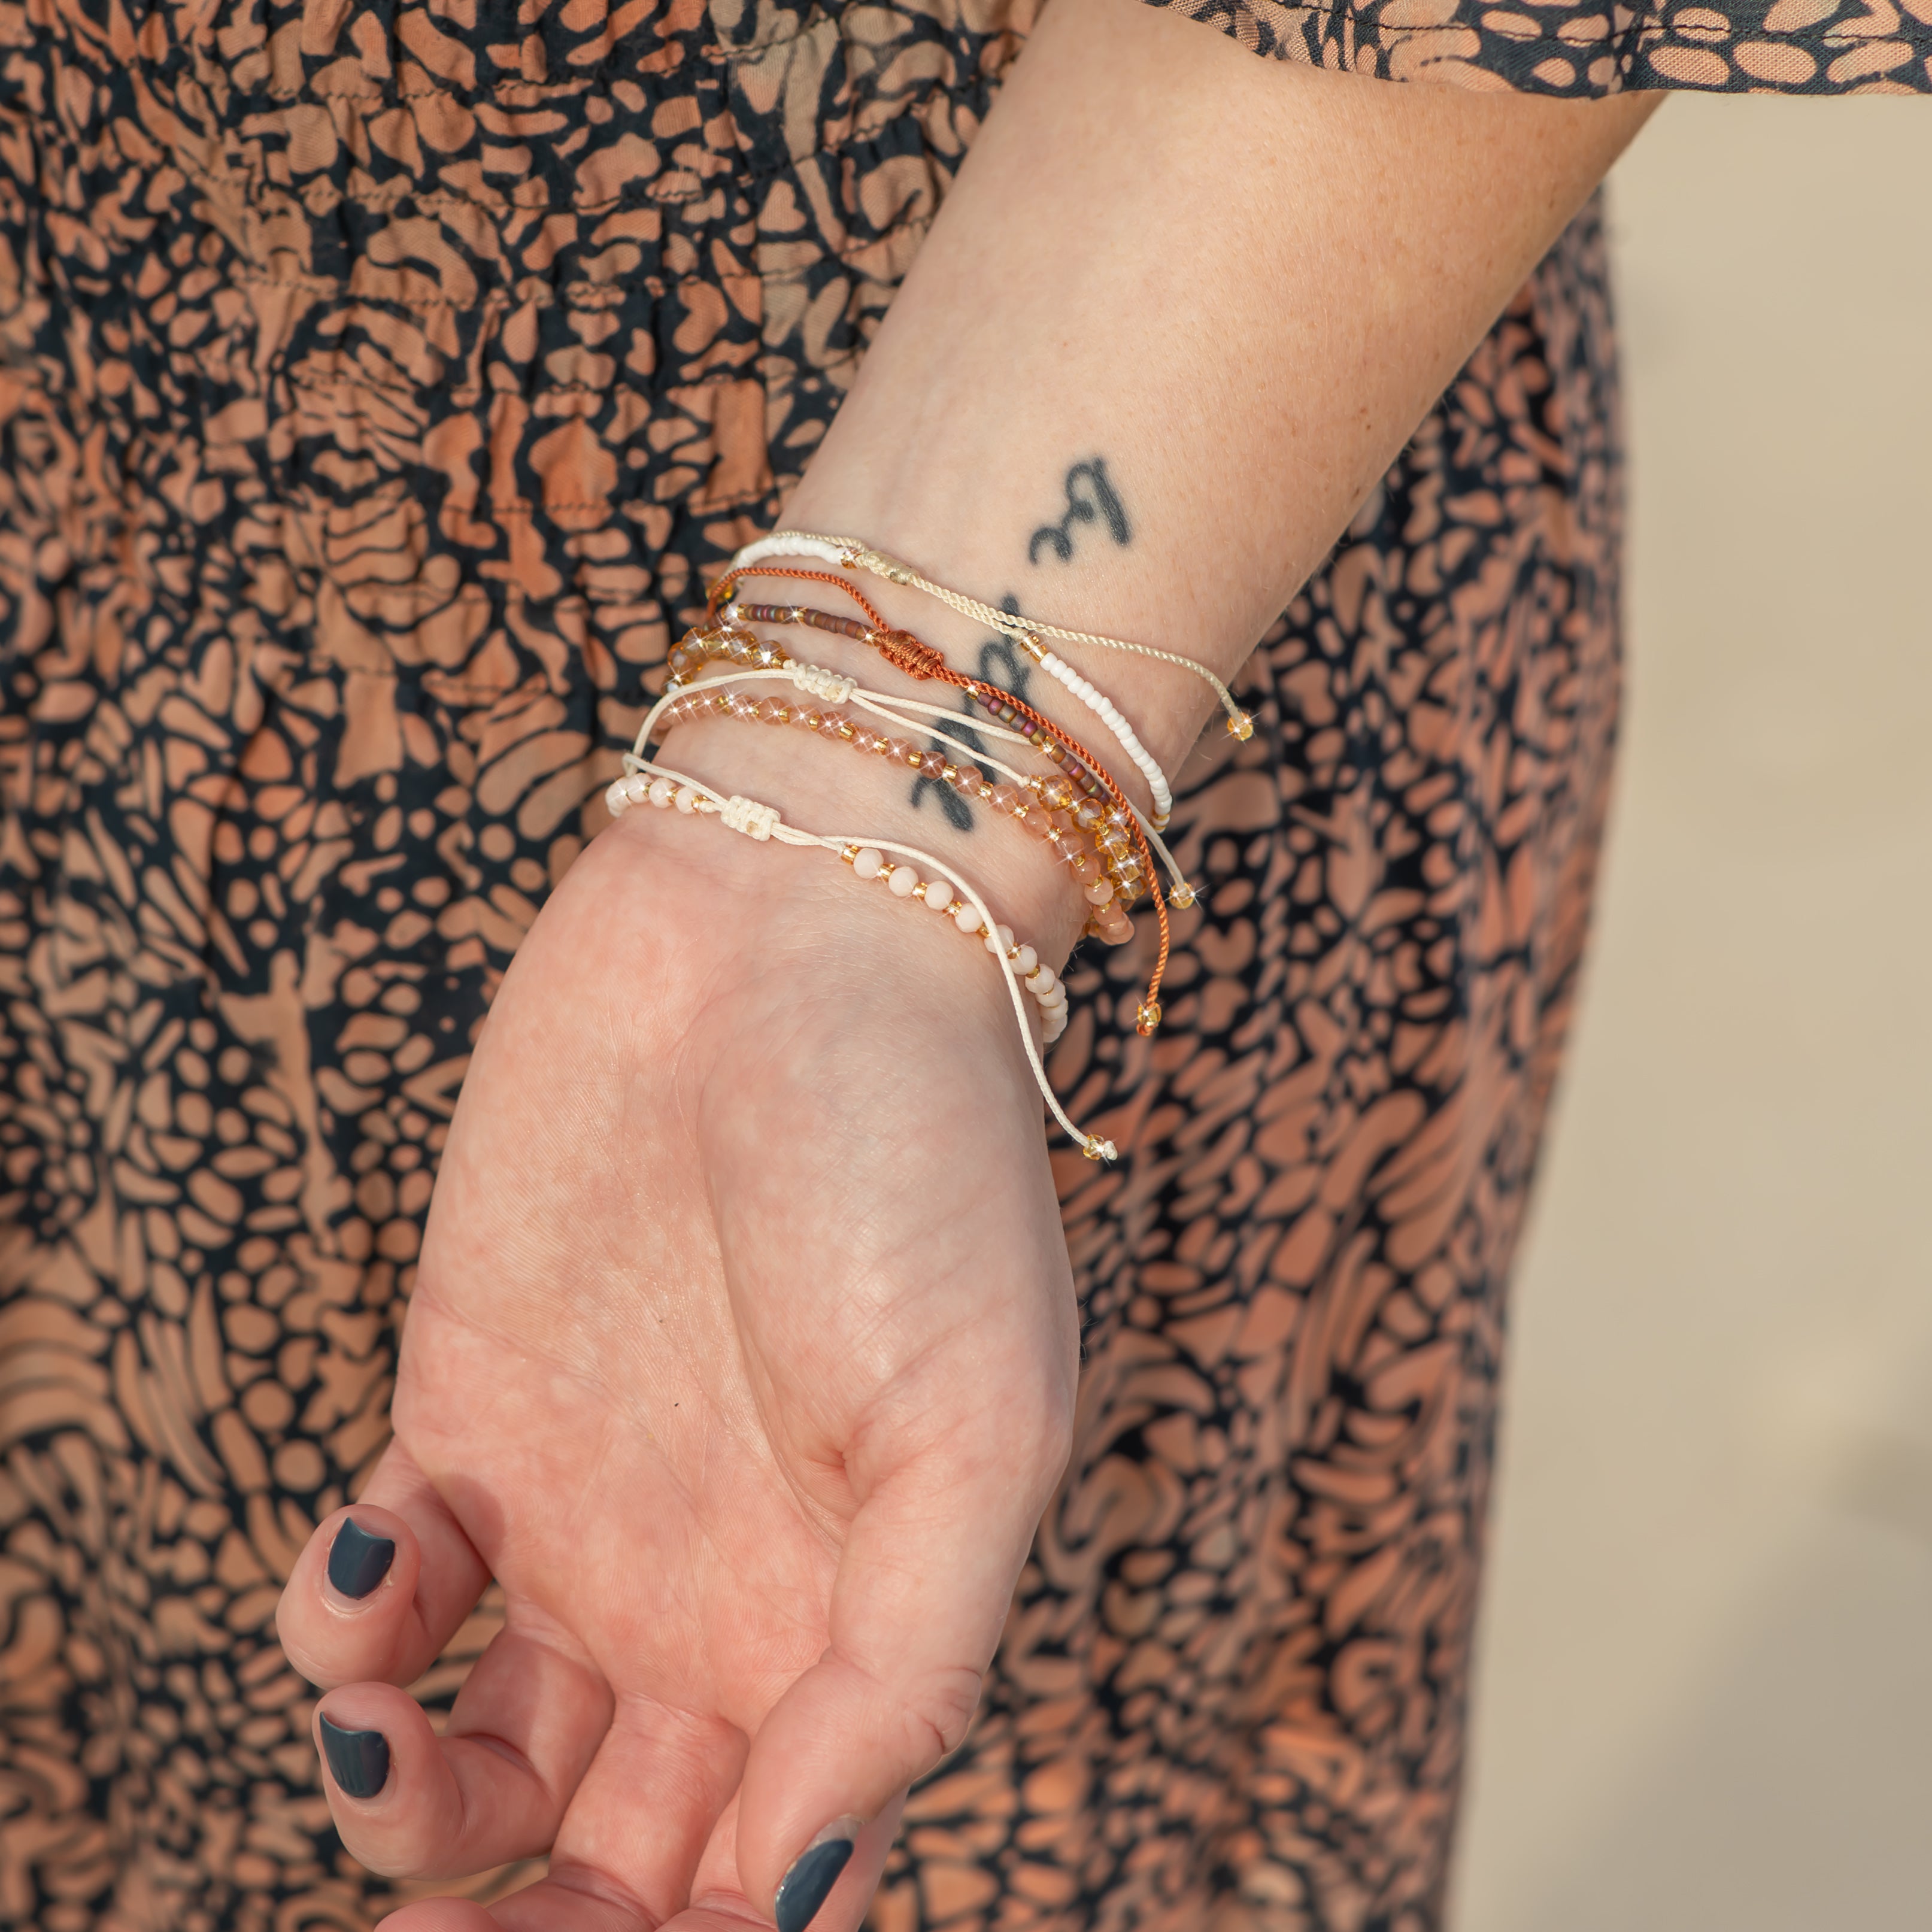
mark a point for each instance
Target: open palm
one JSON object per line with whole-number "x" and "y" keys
{"x": 742, "y": 1353}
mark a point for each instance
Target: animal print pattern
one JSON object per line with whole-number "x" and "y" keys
{"x": 1232, "y": 1691}
{"x": 377, "y": 384}
{"x": 1585, "y": 48}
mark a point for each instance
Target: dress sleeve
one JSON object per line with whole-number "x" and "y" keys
{"x": 1581, "y": 48}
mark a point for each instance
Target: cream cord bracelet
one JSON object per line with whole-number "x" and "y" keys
{"x": 664, "y": 788}
{"x": 834, "y": 688}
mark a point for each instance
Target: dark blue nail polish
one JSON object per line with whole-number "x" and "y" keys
{"x": 809, "y": 1882}
{"x": 359, "y": 1761}
{"x": 357, "y": 1561}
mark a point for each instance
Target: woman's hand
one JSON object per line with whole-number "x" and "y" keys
{"x": 742, "y": 1353}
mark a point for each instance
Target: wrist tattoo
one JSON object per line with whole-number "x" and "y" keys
{"x": 1091, "y": 498}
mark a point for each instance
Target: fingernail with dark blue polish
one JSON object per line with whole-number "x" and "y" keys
{"x": 357, "y": 1561}
{"x": 359, "y": 1761}
{"x": 810, "y": 1881}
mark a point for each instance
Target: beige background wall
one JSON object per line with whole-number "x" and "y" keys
{"x": 1706, "y": 1690}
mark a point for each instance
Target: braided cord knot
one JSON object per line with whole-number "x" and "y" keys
{"x": 829, "y": 687}
{"x": 747, "y": 816}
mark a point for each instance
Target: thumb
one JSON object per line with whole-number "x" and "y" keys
{"x": 918, "y": 1605}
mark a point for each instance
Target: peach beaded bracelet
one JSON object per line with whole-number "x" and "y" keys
{"x": 645, "y": 781}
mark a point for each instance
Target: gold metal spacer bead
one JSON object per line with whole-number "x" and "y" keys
{"x": 1241, "y": 726}
{"x": 1148, "y": 1016}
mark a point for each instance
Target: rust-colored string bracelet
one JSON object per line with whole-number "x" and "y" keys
{"x": 1001, "y": 710}
{"x": 920, "y": 660}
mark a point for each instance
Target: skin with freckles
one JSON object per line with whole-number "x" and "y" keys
{"x": 743, "y": 1352}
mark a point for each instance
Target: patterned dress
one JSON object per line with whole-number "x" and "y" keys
{"x": 378, "y": 382}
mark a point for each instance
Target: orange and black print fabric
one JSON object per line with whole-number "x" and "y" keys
{"x": 1584, "y": 48}
{"x": 378, "y": 383}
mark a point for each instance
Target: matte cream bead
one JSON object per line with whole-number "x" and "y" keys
{"x": 616, "y": 800}
{"x": 938, "y": 895}
{"x": 1100, "y": 891}
{"x": 1006, "y": 933}
{"x": 869, "y": 862}
{"x": 661, "y": 793}
{"x": 1027, "y": 960}
{"x": 1043, "y": 981}
{"x": 967, "y": 919}
{"x": 902, "y": 882}
{"x": 635, "y": 786}
{"x": 687, "y": 798}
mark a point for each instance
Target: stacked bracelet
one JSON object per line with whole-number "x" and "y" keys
{"x": 920, "y": 661}
{"x": 1078, "y": 809}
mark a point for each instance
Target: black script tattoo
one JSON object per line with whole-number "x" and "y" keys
{"x": 1090, "y": 499}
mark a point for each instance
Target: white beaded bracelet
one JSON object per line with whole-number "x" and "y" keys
{"x": 646, "y": 782}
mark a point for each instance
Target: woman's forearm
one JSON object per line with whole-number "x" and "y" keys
{"x": 1180, "y": 310}
{"x": 1237, "y": 284}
